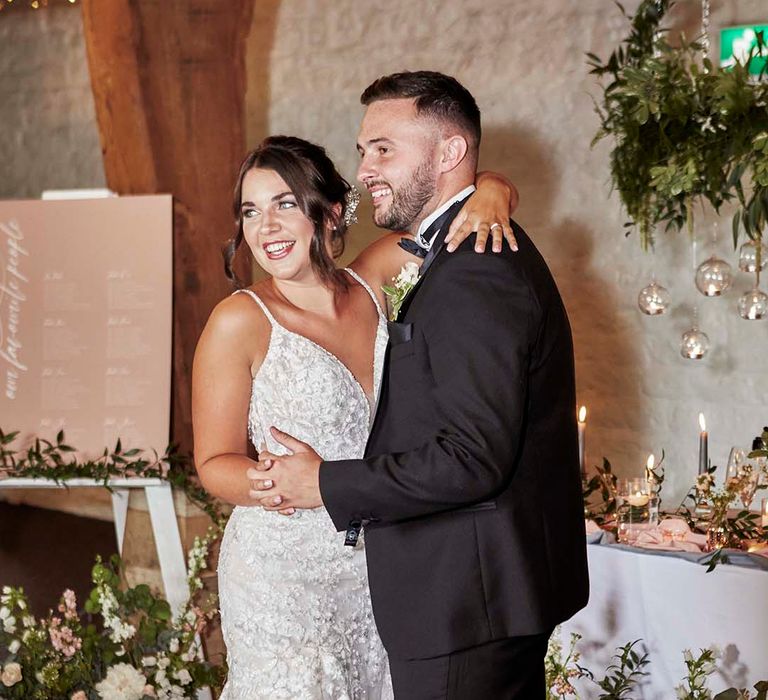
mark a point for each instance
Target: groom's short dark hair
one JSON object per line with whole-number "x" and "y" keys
{"x": 435, "y": 94}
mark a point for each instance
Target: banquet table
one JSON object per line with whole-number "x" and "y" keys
{"x": 671, "y": 604}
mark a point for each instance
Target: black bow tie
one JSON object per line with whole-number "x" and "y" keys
{"x": 410, "y": 246}
{"x": 432, "y": 231}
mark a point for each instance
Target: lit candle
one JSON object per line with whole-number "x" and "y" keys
{"x": 703, "y": 446}
{"x": 582, "y": 430}
{"x": 638, "y": 499}
{"x": 764, "y": 511}
{"x": 649, "y": 477}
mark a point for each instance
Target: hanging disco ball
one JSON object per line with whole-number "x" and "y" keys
{"x": 654, "y": 299}
{"x": 713, "y": 277}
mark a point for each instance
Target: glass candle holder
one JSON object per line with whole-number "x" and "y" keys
{"x": 713, "y": 277}
{"x": 753, "y": 305}
{"x": 717, "y": 538}
{"x": 653, "y": 300}
{"x": 695, "y": 344}
{"x": 764, "y": 513}
{"x": 748, "y": 256}
{"x": 633, "y": 498}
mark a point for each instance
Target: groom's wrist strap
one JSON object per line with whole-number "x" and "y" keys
{"x": 353, "y": 533}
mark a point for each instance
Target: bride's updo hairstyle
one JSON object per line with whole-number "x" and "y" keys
{"x": 320, "y": 192}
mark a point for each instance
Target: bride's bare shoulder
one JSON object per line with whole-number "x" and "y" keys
{"x": 382, "y": 259}
{"x": 237, "y": 321}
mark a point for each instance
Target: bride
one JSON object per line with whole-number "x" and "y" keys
{"x": 307, "y": 342}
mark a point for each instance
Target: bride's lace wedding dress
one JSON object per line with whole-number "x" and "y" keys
{"x": 295, "y": 608}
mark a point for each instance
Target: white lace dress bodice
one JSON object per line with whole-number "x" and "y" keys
{"x": 295, "y": 608}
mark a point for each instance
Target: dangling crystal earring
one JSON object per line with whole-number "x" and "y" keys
{"x": 352, "y": 199}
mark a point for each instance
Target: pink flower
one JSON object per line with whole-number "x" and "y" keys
{"x": 563, "y": 687}
{"x": 150, "y": 691}
{"x": 68, "y": 605}
{"x": 79, "y": 695}
{"x": 63, "y": 638}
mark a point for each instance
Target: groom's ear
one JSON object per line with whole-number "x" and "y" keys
{"x": 454, "y": 150}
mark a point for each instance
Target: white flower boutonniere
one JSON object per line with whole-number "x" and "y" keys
{"x": 403, "y": 283}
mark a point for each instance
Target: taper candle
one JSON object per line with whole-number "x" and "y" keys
{"x": 582, "y": 446}
{"x": 703, "y": 446}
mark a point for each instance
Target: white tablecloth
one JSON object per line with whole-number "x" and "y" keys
{"x": 672, "y": 605}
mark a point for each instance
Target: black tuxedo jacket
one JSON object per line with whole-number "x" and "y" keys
{"x": 470, "y": 489}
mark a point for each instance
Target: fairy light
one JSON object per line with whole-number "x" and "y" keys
{"x": 33, "y": 4}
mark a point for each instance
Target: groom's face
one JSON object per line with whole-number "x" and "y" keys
{"x": 398, "y": 151}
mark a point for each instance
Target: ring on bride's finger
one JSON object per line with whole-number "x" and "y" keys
{"x": 496, "y": 225}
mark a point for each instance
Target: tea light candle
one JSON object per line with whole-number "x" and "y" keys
{"x": 582, "y": 446}
{"x": 703, "y": 445}
{"x": 638, "y": 500}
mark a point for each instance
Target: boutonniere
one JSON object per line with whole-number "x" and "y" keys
{"x": 403, "y": 283}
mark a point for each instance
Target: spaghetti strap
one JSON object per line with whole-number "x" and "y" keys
{"x": 263, "y": 306}
{"x": 367, "y": 288}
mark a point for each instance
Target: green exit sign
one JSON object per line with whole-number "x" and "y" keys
{"x": 737, "y": 42}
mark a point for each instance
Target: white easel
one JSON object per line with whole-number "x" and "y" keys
{"x": 165, "y": 529}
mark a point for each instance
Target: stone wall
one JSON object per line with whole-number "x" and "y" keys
{"x": 525, "y": 64}
{"x": 48, "y": 133}
{"x": 308, "y": 62}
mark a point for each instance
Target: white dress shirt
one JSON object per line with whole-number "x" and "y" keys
{"x": 435, "y": 214}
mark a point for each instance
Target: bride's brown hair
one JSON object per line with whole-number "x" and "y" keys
{"x": 320, "y": 192}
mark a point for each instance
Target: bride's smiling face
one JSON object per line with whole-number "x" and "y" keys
{"x": 276, "y": 230}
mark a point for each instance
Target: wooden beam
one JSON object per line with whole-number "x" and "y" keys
{"x": 168, "y": 80}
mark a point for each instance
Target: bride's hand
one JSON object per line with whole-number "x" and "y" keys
{"x": 487, "y": 211}
{"x": 256, "y": 475}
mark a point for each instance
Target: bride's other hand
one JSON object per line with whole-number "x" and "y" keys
{"x": 259, "y": 479}
{"x": 487, "y": 211}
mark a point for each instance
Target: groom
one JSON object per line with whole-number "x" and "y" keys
{"x": 469, "y": 491}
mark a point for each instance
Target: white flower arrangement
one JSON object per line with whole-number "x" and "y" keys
{"x": 402, "y": 283}
{"x": 139, "y": 651}
{"x": 142, "y": 649}
{"x": 122, "y": 682}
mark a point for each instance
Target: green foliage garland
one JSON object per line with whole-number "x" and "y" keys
{"x": 56, "y": 461}
{"x": 683, "y": 130}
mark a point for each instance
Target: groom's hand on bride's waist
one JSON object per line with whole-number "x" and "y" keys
{"x": 285, "y": 482}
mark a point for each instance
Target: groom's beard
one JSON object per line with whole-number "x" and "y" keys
{"x": 408, "y": 200}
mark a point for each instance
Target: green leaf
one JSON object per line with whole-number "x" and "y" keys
{"x": 161, "y": 610}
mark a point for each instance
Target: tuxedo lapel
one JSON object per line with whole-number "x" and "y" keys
{"x": 442, "y": 225}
